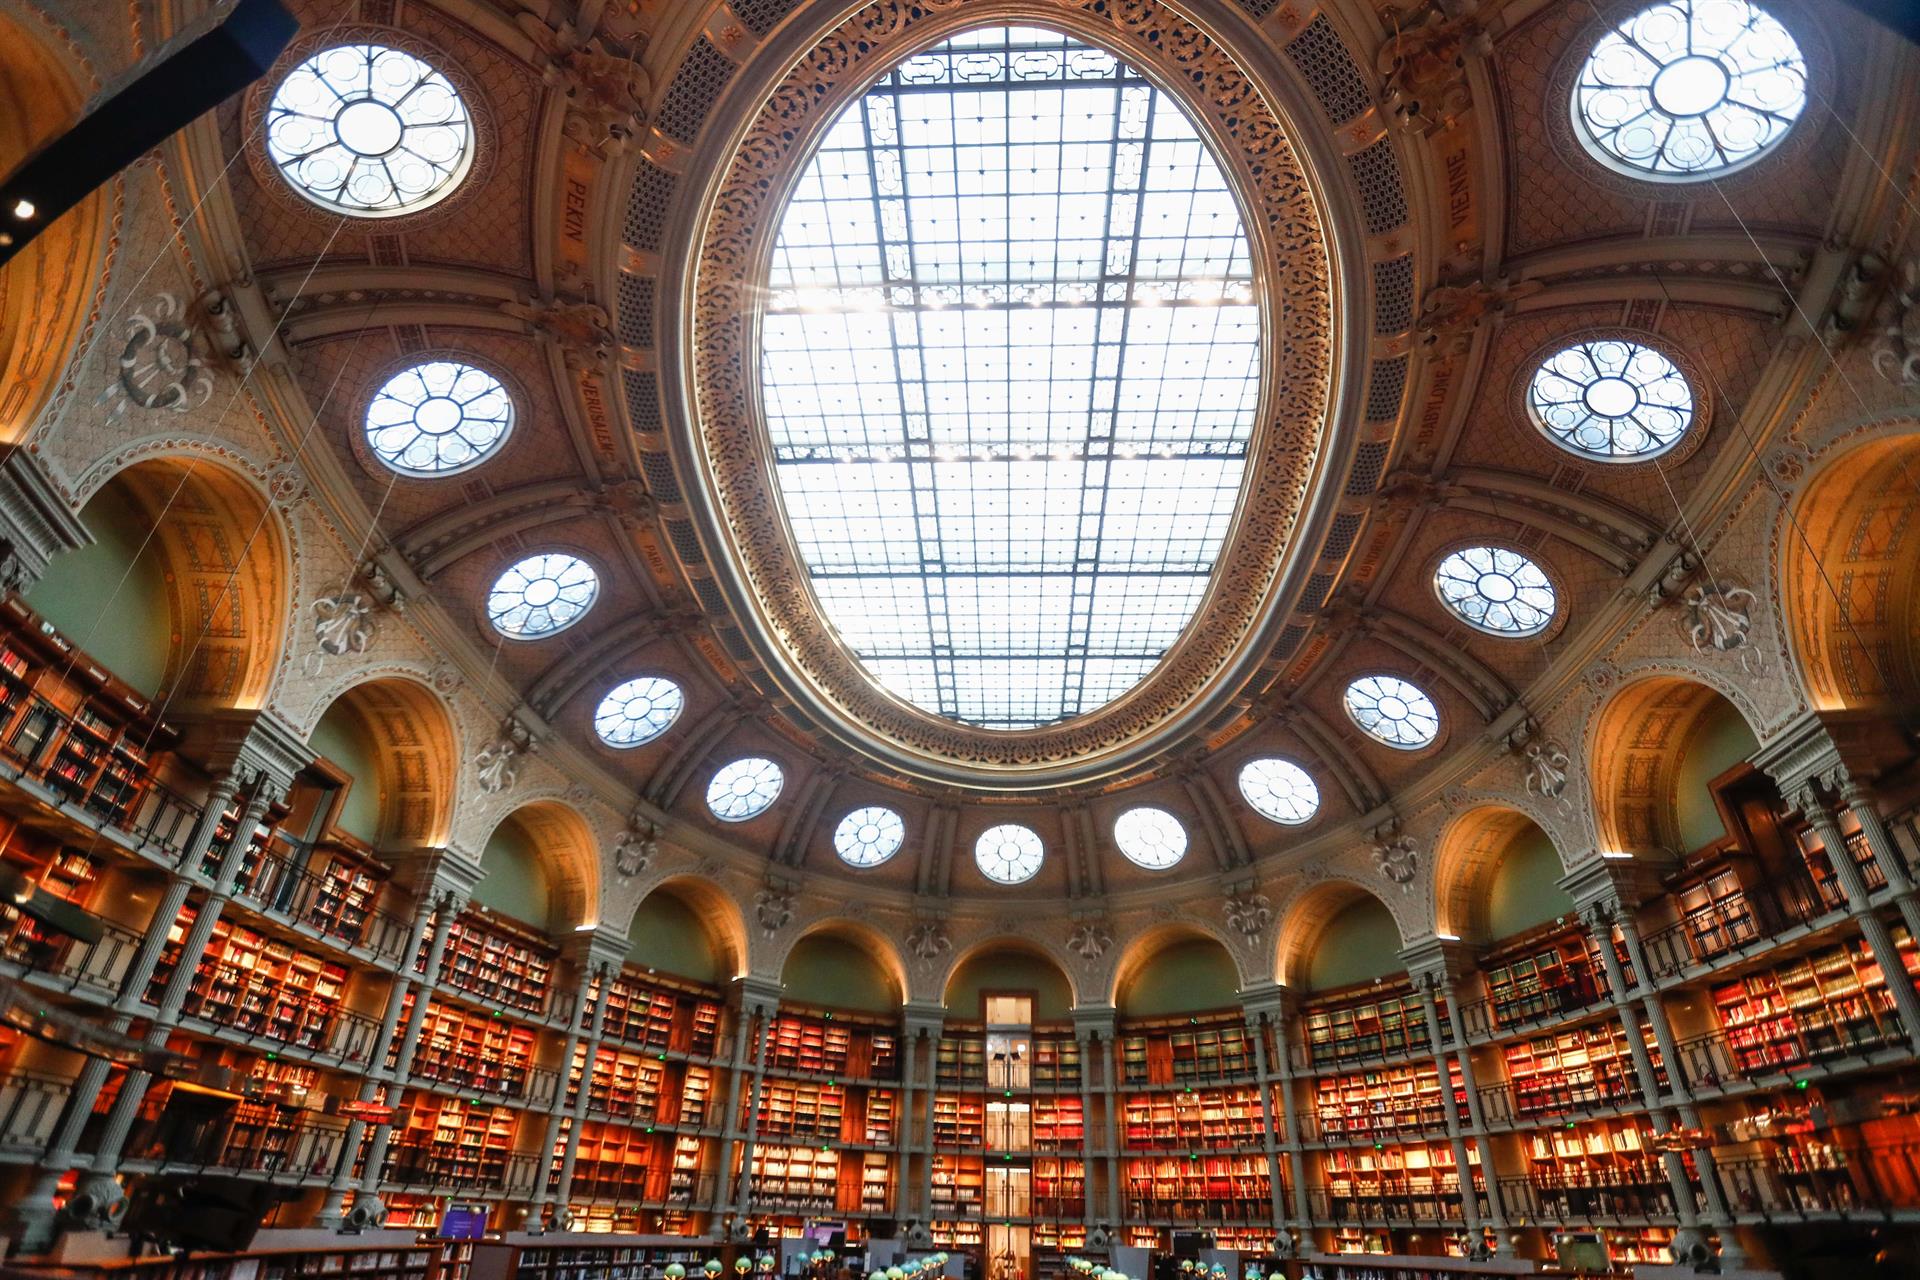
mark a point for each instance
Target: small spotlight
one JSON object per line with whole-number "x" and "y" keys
{"x": 24, "y": 210}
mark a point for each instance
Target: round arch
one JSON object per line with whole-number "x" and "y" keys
{"x": 1307, "y": 920}
{"x": 1024, "y": 953}
{"x": 1140, "y": 952}
{"x": 884, "y": 952}
{"x": 1850, "y": 587}
{"x": 411, "y": 735}
{"x": 47, "y": 288}
{"x": 1639, "y": 743}
{"x": 1466, "y": 858}
{"x": 568, "y": 853}
{"x": 225, "y": 560}
{"x": 719, "y": 912}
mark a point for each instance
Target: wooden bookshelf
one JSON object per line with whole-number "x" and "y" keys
{"x": 959, "y": 1185}
{"x": 453, "y": 1143}
{"x": 1056, "y": 1061}
{"x": 1599, "y": 1169}
{"x": 254, "y": 983}
{"x": 800, "y": 1179}
{"x": 1059, "y": 1188}
{"x": 1409, "y": 1181}
{"x": 1545, "y": 976}
{"x": 1059, "y": 1124}
{"x": 1385, "y": 1021}
{"x": 363, "y": 1262}
{"x": 878, "y": 1120}
{"x": 1830, "y": 1003}
{"x": 469, "y": 1051}
{"x": 1164, "y": 1055}
{"x": 615, "y": 1162}
{"x": 66, "y": 873}
{"x": 959, "y": 1120}
{"x": 798, "y": 1110}
{"x": 646, "y": 1012}
{"x": 623, "y": 1084}
{"x": 1366, "y": 1104}
{"x": 500, "y": 963}
{"x": 1198, "y": 1188}
{"x": 1193, "y": 1119}
{"x": 1582, "y": 1069}
{"x": 961, "y": 1059}
{"x": 608, "y": 1258}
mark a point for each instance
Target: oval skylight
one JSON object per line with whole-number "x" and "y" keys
{"x": 1396, "y": 712}
{"x": 1611, "y": 400}
{"x": 1690, "y": 88}
{"x": 868, "y": 837}
{"x": 1496, "y": 590}
{"x": 1008, "y": 853}
{"x": 1010, "y": 369}
{"x": 744, "y": 789}
{"x": 370, "y": 131}
{"x": 436, "y": 418}
{"x": 542, "y": 594}
{"x": 637, "y": 711}
{"x": 1279, "y": 790}
{"x": 1150, "y": 838}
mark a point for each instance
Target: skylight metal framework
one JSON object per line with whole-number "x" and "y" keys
{"x": 1010, "y": 366}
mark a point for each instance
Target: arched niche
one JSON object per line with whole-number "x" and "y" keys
{"x": 211, "y": 556}
{"x": 1850, "y": 578}
{"x": 1335, "y": 935}
{"x": 110, "y": 597}
{"x": 1176, "y": 971}
{"x": 515, "y": 881}
{"x": 1657, "y": 747}
{"x": 1496, "y": 874}
{"x": 542, "y": 868}
{"x": 393, "y": 739}
{"x": 1009, "y": 967}
{"x": 844, "y": 966}
{"x": 691, "y": 929}
{"x": 46, "y": 289}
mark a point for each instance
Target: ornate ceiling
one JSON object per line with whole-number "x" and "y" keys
{"x": 1420, "y": 198}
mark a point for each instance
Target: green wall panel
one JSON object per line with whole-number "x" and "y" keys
{"x": 343, "y": 737}
{"x": 516, "y": 883}
{"x": 1719, "y": 741}
{"x": 1183, "y": 978}
{"x": 669, "y": 935}
{"x": 1010, "y": 971}
{"x": 840, "y": 974}
{"x": 1526, "y": 886}
{"x": 126, "y": 625}
{"x": 1358, "y": 945}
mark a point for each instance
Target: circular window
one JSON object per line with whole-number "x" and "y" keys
{"x": 744, "y": 789}
{"x": 368, "y": 130}
{"x": 1496, "y": 590}
{"x": 637, "y": 711}
{"x": 868, "y": 837}
{"x": 1689, "y": 89}
{"x": 541, "y": 595}
{"x": 1150, "y": 838}
{"x": 1279, "y": 790}
{"x": 1611, "y": 400}
{"x": 1397, "y": 713}
{"x": 438, "y": 418}
{"x": 1008, "y": 854}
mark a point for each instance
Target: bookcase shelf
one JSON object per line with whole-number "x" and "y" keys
{"x": 1550, "y": 976}
{"x": 1581, "y": 1069}
{"x": 1158, "y": 1056}
{"x": 254, "y": 983}
{"x": 447, "y": 1142}
{"x": 488, "y": 958}
{"x": 631, "y": 1258}
{"x": 1385, "y": 1022}
{"x": 615, "y": 1162}
{"x": 961, "y": 1060}
{"x": 623, "y": 1084}
{"x": 1600, "y": 1169}
{"x": 831, "y": 1045}
{"x": 471, "y": 1052}
{"x": 1396, "y": 1182}
{"x": 1198, "y": 1188}
{"x": 959, "y": 1120}
{"x": 959, "y": 1185}
{"x": 793, "y": 1110}
{"x": 1364, "y": 1105}
{"x": 1059, "y": 1124}
{"x": 367, "y": 1262}
{"x": 1200, "y": 1119}
{"x": 1830, "y": 1003}
{"x": 652, "y": 1015}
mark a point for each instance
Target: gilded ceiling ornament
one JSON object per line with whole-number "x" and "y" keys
{"x": 927, "y": 941}
{"x": 161, "y": 365}
{"x": 606, "y": 97}
{"x": 1720, "y": 619}
{"x": 633, "y": 848}
{"x": 1423, "y": 66}
{"x": 1249, "y": 913}
{"x": 1450, "y": 314}
{"x": 1090, "y": 939}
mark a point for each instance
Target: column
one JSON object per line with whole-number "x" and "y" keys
{"x": 1872, "y": 927}
{"x": 1469, "y": 1199}
{"x": 36, "y": 1210}
{"x": 921, "y": 1023}
{"x": 1256, "y": 1027}
{"x": 332, "y": 1211}
{"x": 1476, "y": 1110}
{"x": 446, "y": 906}
{"x": 1088, "y": 1152}
{"x": 600, "y": 971}
{"x": 737, "y": 1065}
{"x": 134, "y": 1090}
{"x": 1858, "y": 798}
{"x": 903, "y": 1209}
{"x": 1290, "y": 1113}
{"x": 763, "y": 1010}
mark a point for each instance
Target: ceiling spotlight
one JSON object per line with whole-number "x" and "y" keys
{"x": 24, "y": 210}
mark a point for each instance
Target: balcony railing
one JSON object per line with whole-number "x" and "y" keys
{"x": 98, "y": 966}
{"x": 278, "y": 886}
{"x": 1391, "y": 1200}
{"x": 1838, "y": 1179}
{"x": 506, "y": 1174}
{"x": 534, "y": 1085}
{"x": 318, "y": 1029}
{"x": 1625, "y": 1194}
{"x": 1729, "y": 925}
{"x": 1199, "y": 1210}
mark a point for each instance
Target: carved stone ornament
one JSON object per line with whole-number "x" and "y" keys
{"x": 343, "y": 624}
{"x": 1398, "y": 859}
{"x": 1719, "y": 618}
{"x": 497, "y": 765}
{"x": 633, "y": 849}
{"x": 1547, "y": 768}
{"x": 927, "y": 941}
{"x": 1896, "y": 330}
{"x": 773, "y": 908}
{"x": 606, "y": 97}
{"x": 162, "y": 364}
{"x": 581, "y": 329}
{"x": 1090, "y": 939}
{"x": 1249, "y": 913}
{"x": 1423, "y": 67}
{"x": 1451, "y": 313}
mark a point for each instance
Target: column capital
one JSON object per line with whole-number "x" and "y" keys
{"x": 756, "y": 994}
{"x": 1608, "y": 885}
{"x": 1269, "y": 1000}
{"x": 434, "y": 872}
{"x": 257, "y": 742}
{"x": 923, "y": 1017}
{"x": 601, "y": 946}
{"x": 1439, "y": 961}
{"x": 1095, "y": 1021}
{"x": 35, "y": 523}
{"x": 1830, "y": 747}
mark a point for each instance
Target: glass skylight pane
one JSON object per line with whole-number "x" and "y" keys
{"x": 1010, "y": 364}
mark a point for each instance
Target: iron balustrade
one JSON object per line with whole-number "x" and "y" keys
{"x": 1200, "y": 1210}
{"x": 1613, "y": 1195}
{"x": 1840, "y": 1178}
{"x": 68, "y": 962}
{"x": 532, "y": 1085}
{"x": 1759, "y": 915}
{"x": 279, "y": 886}
{"x": 1426, "y": 1118}
{"x": 510, "y": 1174}
{"x": 1393, "y": 1198}
{"x": 30, "y": 1106}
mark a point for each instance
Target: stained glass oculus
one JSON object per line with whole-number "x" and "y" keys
{"x": 542, "y": 594}
{"x": 1010, "y": 370}
{"x": 869, "y": 836}
{"x": 1150, "y": 838}
{"x": 436, "y": 418}
{"x": 1393, "y": 710}
{"x": 1611, "y": 400}
{"x": 1690, "y": 88}
{"x": 1008, "y": 853}
{"x": 1496, "y": 590}
{"x": 637, "y": 711}
{"x": 1279, "y": 790}
{"x": 368, "y": 130}
{"x": 744, "y": 789}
